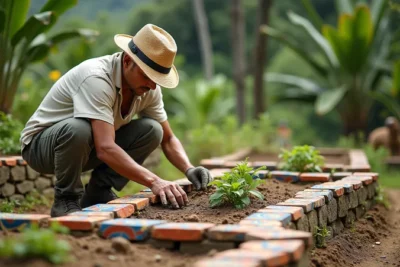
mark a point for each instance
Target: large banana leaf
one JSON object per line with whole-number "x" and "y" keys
{"x": 313, "y": 14}
{"x": 17, "y": 12}
{"x": 344, "y": 6}
{"x": 33, "y": 27}
{"x": 396, "y": 79}
{"x": 329, "y": 99}
{"x": 304, "y": 84}
{"x": 315, "y": 36}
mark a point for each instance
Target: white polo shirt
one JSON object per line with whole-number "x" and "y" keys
{"x": 92, "y": 90}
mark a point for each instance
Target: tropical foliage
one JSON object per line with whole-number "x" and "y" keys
{"x": 302, "y": 159}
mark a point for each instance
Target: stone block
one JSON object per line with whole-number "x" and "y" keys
{"x": 284, "y": 234}
{"x": 267, "y": 257}
{"x": 337, "y": 190}
{"x": 374, "y": 175}
{"x": 332, "y": 211}
{"x": 53, "y": 180}
{"x": 343, "y": 206}
{"x": 49, "y": 193}
{"x": 330, "y": 231}
{"x": 302, "y": 224}
{"x": 296, "y": 212}
{"x": 8, "y": 161}
{"x": 261, "y": 223}
{"x": 270, "y": 165}
{"x": 17, "y": 198}
{"x": 360, "y": 211}
{"x": 350, "y": 218}
{"x": 352, "y": 199}
{"x": 78, "y": 223}
{"x": 131, "y": 229}
{"x": 139, "y": 203}
{"x": 119, "y": 210}
{"x": 291, "y": 226}
{"x": 18, "y": 173}
{"x": 282, "y": 217}
{"x": 181, "y": 231}
{"x": 340, "y": 175}
{"x": 7, "y": 190}
{"x": 362, "y": 195}
{"x": 205, "y": 246}
{"x": 312, "y": 220}
{"x": 314, "y": 177}
{"x": 370, "y": 191}
{"x": 285, "y": 176}
{"x": 337, "y": 227}
{"x": 228, "y": 262}
{"x": 368, "y": 204}
{"x": 229, "y": 232}
{"x": 31, "y": 174}
{"x": 322, "y": 213}
{"x": 25, "y": 187}
{"x": 17, "y": 222}
{"x": 42, "y": 183}
{"x": 328, "y": 195}
{"x": 295, "y": 248}
{"x": 4, "y": 174}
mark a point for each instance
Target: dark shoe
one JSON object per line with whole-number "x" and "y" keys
{"x": 96, "y": 195}
{"x": 64, "y": 205}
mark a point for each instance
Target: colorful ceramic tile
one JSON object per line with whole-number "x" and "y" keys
{"x": 181, "y": 231}
{"x": 337, "y": 190}
{"x": 284, "y": 176}
{"x": 293, "y": 215}
{"x": 285, "y": 234}
{"x": 119, "y": 210}
{"x": 315, "y": 177}
{"x": 79, "y": 223}
{"x": 93, "y": 214}
{"x": 328, "y": 195}
{"x": 139, "y": 203}
{"x": 267, "y": 257}
{"x": 307, "y": 204}
{"x": 348, "y": 188}
{"x": 296, "y": 212}
{"x": 285, "y": 218}
{"x": 131, "y": 229}
{"x": 17, "y": 222}
{"x": 295, "y": 248}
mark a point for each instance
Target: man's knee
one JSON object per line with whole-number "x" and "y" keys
{"x": 77, "y": 131}
{"x": 154, "y": 130}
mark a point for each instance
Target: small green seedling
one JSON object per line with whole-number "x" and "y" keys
{"x": 234, "y": 187}
{"x": 321, "y": 234}
{"x": 36, "y": 242}
{"x": 302, "y": 159}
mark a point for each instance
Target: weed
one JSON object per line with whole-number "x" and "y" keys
{"x": 31, "y": 200}
{"x": 234, "y": 187}
{"x": 381, "y": 198}
{"x": 321, "y": 234}
{"x": 302, "y": 159}
{"x": 35, "y": 242}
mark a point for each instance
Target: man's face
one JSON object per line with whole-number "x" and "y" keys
{"x": 135, "y": 78}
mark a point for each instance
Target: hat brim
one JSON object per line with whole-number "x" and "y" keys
{"x": 170, "y": 80}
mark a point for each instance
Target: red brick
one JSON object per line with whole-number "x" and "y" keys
{"x": 328, "y": 195}
{"x": 228, "y": 262}
{"x": 17, "y": 222}
{"x": 92, "y": 214}
{"x": 285, "y": 176}
{"x": 319, "y": 200}
{"x": 340, "y": 175}
{"x": 119, "y": 210}
{"x": 358, "y": 168}
{"x": 20, "y": 161}
{"x": 283, "y": 217}
{"x": 229, "y": 232}
{"x": 153, "y": 199}
{"x": 366, "y": 180}
{"x": 185, "y": 184}
{"x": 181, "y": 231}
{"x": 315, "y": 177}
{"x": 374, "y": 175}
{"x": 308, "y": 204}
{"x": 8, "y": 161}
{"x": 79, "y": 223}
{"x": 285, "y": 234}
{"x": 277, "y": 211}
{"x": 337, "y": 190}
{"x": 139, "y": 203}
{"x": 267, "y": 257}
{"x": 296, "y": 212}
{"x": 355, "y": 183}
{"x": 261, "y": 223}
{"x": 219, "y": 172}
{"x": 336, "y": 167}
{"x": 348, "y": 188}
{"x": 295, "y": 248}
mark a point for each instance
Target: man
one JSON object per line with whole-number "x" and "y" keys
{"x": 85, "y": 122}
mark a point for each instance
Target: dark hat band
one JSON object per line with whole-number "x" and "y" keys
{"x": 136, "y": 50}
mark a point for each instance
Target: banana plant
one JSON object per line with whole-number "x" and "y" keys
{"x": 351, "y": 59}
{"x": 25, "y": 41}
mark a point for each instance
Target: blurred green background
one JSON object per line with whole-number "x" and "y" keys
{"x": 328, "y": 70}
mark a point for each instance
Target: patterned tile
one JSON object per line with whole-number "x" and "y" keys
{"x": 139, "y": 203}
{"x": 93, "y": 214}
{"x": 284, "y": 176}
{"x": 328, "y": 195}
{"x": 119, "y": 210}
{"x": 285, "y": 218}
{"x": 181, "y": 231}
{"x": 374, "y": 175}
{"x": 337, "y": 190}
{"x": 314, "y": 177}
{"x": 295, "y": 248}
{"x": 17, "y": 222}
{"x": 79, "y": 223}
{"x": 267, "y": 257}
{"x": 296, "y": 212}
{"x": 229, "y": 232}
{"x": 285, "y": 234}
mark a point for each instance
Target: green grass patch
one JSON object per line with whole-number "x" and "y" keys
{"x": 389, "y": 179}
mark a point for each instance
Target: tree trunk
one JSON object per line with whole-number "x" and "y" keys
{"x": 238, "y": 38}
{"x": 260, "y": 52}
{"x": 205, "y": 39}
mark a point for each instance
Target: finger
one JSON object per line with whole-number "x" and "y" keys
{"x": 204, "y": 178}
{"x": 184, "y": 196}
{"x": 172, "y": 199}
{"x": 210, "y": 178}
{"x": 178, "y": 195}
{"x": 196, "y": 183}
{"x": 163, "y": 198}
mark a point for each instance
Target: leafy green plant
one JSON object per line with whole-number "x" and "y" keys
{"x": 31, "y": 200}
{"x": 10, "y": 130}
{"x": 7, "y": 206}
{"x": 302, "y": 159}
{"x": 37, "y": 242}
{"x": 321, "y": 234}
{"x": 234, "y": 187}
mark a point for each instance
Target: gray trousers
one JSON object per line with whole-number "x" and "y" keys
{"x": 67, "y": 148}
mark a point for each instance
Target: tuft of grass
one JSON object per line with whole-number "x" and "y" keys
{"x": 31, "y": 200}
{"x": 321, "y": 234}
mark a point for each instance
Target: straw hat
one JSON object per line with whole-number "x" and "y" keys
{"x": 153, "y": 50}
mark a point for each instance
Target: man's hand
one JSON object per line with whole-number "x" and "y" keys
{"x": 166, "y": 189}
{"x": 199, "y": 176}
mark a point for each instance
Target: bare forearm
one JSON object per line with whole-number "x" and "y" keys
{"x": 176, "y": 154}
{"x": 117, "y": 159}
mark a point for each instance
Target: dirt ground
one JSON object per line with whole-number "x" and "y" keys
{"x": 354, "y": 247}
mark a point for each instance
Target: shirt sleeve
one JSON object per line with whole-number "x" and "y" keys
{"x": 94, "y": 100}
{"x": 155, "y": 108}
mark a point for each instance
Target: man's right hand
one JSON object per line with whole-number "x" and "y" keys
{"x": 166, "y": 189}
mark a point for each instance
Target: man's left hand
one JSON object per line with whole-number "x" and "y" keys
{"x": 199, "y": 176}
